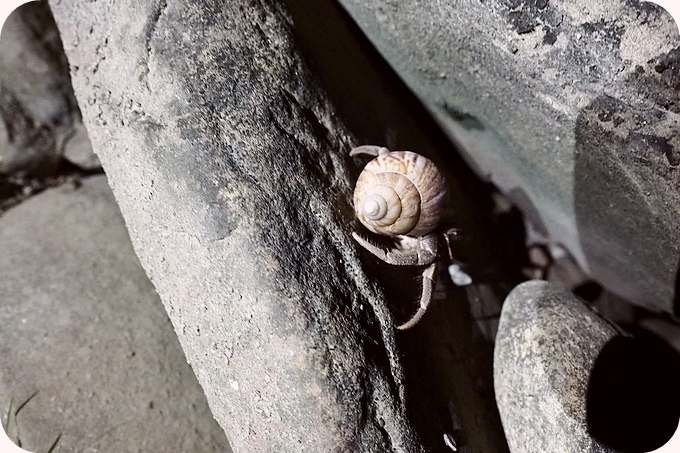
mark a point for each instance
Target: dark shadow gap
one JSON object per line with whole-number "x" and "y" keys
{"x": 633, "y": 399}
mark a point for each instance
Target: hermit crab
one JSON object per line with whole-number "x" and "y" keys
{"x": 403, "y": 195}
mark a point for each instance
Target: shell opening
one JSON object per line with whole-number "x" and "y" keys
{"x": 374, "y": 207}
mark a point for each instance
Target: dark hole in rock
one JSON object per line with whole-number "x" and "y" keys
{"x": 588, "y": 291}
{"x": 633, "y": 400}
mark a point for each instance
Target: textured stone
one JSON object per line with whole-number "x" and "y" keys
{"x": 568, "y": 380}
{"x": 569, "y": 107}
{"x": 78, "y": 149}
{"x": 546, "y": 347}
{"x": 664, "y": 329}
{"x": 233, "y": 176}
{"x": 86, "y": 343}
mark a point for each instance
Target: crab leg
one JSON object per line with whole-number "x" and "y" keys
{"x": 425, "y": 298}
{"x": 419, "y": 252}
{"x": 369, "y": 150}
{"x": 390, "y": 256}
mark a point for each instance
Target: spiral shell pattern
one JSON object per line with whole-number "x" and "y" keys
{"x": 400, "y": 193}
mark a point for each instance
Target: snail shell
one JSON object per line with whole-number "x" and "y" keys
{"x": 400, "y": 193}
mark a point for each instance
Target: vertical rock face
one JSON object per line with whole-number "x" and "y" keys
{"x": 231, "y": 173}
{"x": 569, "y": 107}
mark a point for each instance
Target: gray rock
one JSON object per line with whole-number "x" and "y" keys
{"x": 664, "y": 329}
{"x": 569, "y": 107}
{"x": 233, "y": 176}
{"x": 568, "y": 380}
{"x": 39, "y": 116}
{"x": 547, "y": 345}
{"x": 86, "y": 343}
{"x": 78, "y": 149}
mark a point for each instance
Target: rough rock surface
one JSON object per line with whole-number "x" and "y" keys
{"x": 39, "y": 117}
{"x": 232, "y": 175}
{"x": 546, "y": 347}
{"x": 570, "y": 107}
{"x": 78, "y": 149}
{"x": 86, "y": 343}
{"x": 568, "y": 380}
